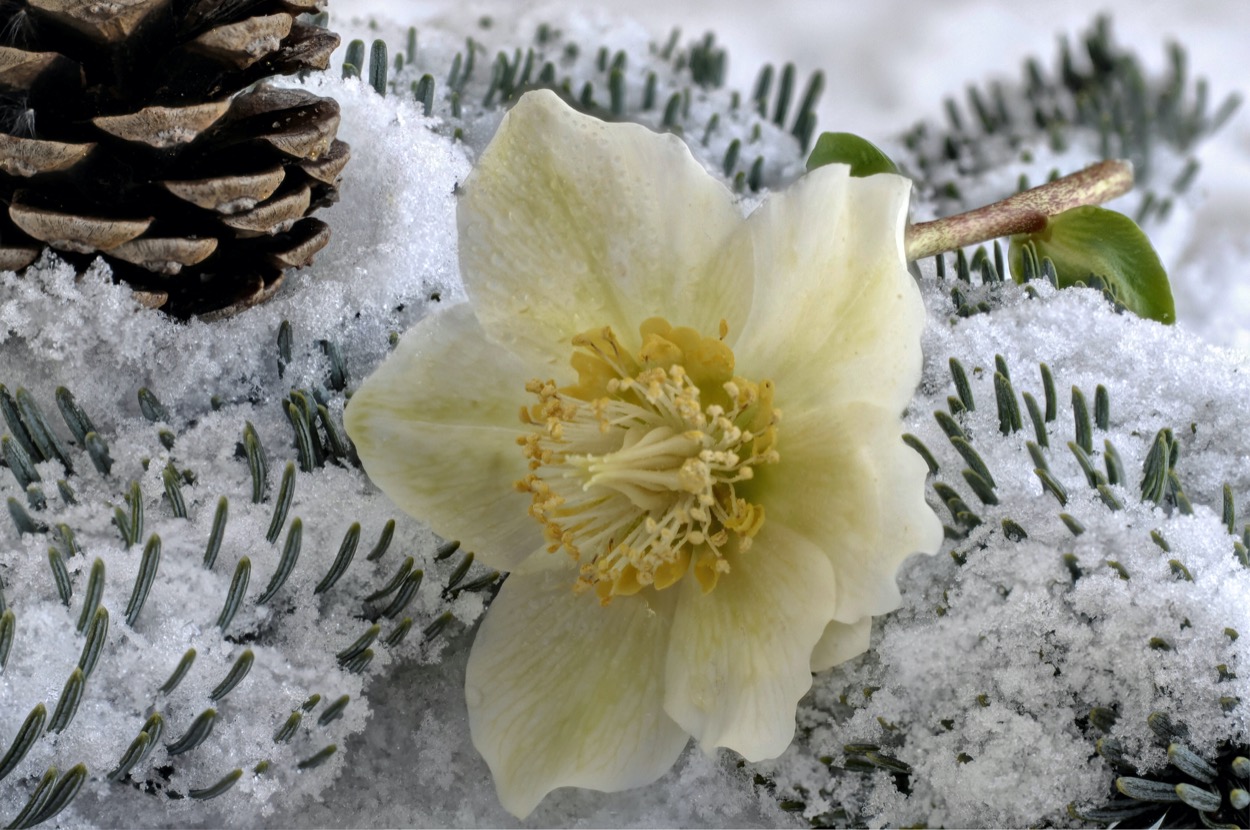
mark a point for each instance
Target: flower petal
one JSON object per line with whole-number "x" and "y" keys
{"x": 563, "y": 691}
{"x": 849, "y": 485}
{"x": 836, "y": 316}
{"x": 739, "y": 656}
{"x": 436, "y": 427}
{"x": 841, "y": 642}
{"x": 568, "y": 223}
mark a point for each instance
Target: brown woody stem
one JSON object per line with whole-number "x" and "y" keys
{"x": 1025, "y": 212}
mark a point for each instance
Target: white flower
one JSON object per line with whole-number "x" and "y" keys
{"x": 603, "y": 419}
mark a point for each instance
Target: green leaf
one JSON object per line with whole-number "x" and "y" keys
{"x": 1102, "y": 248}
{"x": 864, "y": 157}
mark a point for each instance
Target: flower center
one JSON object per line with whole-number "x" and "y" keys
{"x": 634, "y": 468}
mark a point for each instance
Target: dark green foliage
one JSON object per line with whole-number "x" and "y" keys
{"x": 1190, "y": 791}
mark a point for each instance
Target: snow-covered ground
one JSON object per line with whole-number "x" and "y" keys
{"x": 987, "y": 605}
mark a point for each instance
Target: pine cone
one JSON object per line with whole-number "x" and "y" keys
{"x": 123, "y": 134}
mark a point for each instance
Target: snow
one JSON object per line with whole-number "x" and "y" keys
{"x": 1011, "y": 623}
{"x": 996, "y": 656}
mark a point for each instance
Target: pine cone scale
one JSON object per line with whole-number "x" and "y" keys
{"x": 20, "y": 69}
{"x": 242, "y": 44}
{"x": 308, "y": 237}
{"x": 110, "y": 21}
{"x": 275, "y": 216}
{"x": 326, "y": 167}
{"x": 253, "y": 292}
{"x": 27, "y": 157}
{"x": 163, "y": 127}
{"x": 308, "y": 47}
{"x": 165, "y": 256}
{"x": 79, "y": 234}
{"x": 308, "y": 142}
{"x": 15, "y": 259}
{"x": 298, "y": 124}
{"x": 228, "y": 194}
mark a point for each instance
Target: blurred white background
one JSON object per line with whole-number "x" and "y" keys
{"x": 890, "y": 62}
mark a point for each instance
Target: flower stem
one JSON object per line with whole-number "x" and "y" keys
{"x": 1025, "y": 212}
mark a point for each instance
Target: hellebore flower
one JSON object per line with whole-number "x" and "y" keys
{"x": 603, "y": 419}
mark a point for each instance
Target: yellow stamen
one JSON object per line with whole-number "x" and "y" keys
{"x": 634, "y": 467}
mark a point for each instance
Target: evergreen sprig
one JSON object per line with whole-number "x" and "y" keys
{"x": 384, "y": 615}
